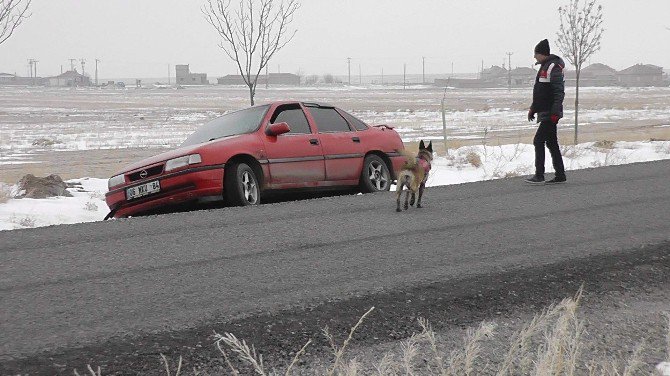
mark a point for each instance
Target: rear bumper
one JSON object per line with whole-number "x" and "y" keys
{"x": 175, "y": 188}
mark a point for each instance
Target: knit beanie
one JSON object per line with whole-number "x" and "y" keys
{"x": 542, "y": 48}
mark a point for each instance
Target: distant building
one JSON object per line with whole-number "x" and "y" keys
{"x": 185, "y": 77}
{"x": 69, "y": 79}
{"x": 12, "y": 79}
{"x": 642, "y": 75}
{"x": 523, "y": 76}
{"x": 594, "y": 75}
{"x": 275, "y": 79}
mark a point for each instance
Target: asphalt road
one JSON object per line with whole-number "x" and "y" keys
{"x": 70, "y": 286}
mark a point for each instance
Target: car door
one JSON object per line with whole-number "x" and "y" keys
{"x": 295, "y": 158}
{"x": 342, "y": 148}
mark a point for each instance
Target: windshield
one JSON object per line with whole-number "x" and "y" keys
{"x": 234, "y": 123}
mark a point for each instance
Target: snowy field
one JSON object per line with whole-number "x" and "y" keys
{"x": 62, "y": 119}
{"x": 465, "y": 164}
{"x": 487, "y": 131}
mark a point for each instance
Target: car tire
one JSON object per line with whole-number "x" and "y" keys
{"x": 375, "y": 176}
{"x": 241, "y": 185}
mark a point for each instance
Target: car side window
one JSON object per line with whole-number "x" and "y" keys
{"x": 353, "y": 121}
{"x": 328, "y": 120}
{"x": 294, "y": 117}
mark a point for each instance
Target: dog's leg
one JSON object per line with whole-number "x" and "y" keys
{"x": 421, "y": 188}
{"x": 412, "y": 199}
{"x": 407, "y": 199}
{"x": 398, "y": 194}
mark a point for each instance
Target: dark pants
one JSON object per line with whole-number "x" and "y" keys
{"x": 546, "y": 134}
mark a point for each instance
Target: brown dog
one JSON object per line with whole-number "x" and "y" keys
{"x": 414, "y": 175}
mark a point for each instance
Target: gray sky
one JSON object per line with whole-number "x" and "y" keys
{"x": 139, "y": 38}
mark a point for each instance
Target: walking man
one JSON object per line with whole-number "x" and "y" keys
{"x": 548, "y": 94}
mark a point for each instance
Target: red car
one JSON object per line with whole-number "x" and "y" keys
{"x": 240, "y": 156}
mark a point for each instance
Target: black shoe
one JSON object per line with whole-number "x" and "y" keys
{"x": 537, "y": 180}
{"x": 557, "y": 180}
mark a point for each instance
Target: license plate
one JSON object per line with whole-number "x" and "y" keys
{"x": 143, "y": 190}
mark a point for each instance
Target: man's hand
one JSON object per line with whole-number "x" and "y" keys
{"x": 531, "y": 115}
{"x": 554, "y": 119}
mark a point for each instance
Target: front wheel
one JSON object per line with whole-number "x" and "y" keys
{"x": 241, "y": 185}
{"x": 375, "y": 176}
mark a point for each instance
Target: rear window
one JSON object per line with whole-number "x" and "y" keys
{"x": 329, "y": 120}
{"x": 234, "y": 123}
{"x": 354, "y": 121}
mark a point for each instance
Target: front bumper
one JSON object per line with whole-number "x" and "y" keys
{"x": 177, "y": 187}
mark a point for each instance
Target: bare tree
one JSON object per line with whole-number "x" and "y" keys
{"x": 252, "y": 32}
{"x": 579, "y": 38}
{"x": 12, "y": 14}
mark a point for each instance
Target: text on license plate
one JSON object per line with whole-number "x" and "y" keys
{"x": 143, "y": 190}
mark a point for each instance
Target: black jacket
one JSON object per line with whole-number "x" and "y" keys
{"x": 549, "y": 89}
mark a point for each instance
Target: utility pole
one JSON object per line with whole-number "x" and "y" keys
{"x": 423, "y": 64}
{"x": 72, "y": 64}
{"x": 35, "y": 76}
{"x": 267, "y": 77}
{"x": 509, "y": 71}
{"x": 96, "y": 71}
{"x": 452, "y": 68}
{"x": 404, "y": 75}
{"x": 349, "y": 65}
{"x": 83, "y": 62}
{"x": 481, "y": 76}
{"x": 360, "y": 78}
{"x": 30, "y": 69}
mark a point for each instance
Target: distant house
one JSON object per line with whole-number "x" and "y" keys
{"x": 641, "y": 75}
{"x": 185, "y": 77}
{"x": 594, "y": 75}
{"x": 497, "y": 76}
{"x": 523, "y": 76}
{"x": 494, "y": 73}
{"x": 275, "y": 79}
{"x": 69, "y": 79}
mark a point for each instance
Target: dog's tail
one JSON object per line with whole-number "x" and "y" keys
{"x": 410, "y": 160}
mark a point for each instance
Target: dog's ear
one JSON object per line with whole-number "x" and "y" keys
{"x": 430, "y": 147}
{"x": 421, "y": 145}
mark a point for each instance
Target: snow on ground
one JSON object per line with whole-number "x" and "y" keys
{"x": 466, "y": 164}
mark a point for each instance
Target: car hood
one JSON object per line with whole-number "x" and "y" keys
{"x": 162, "y": 157}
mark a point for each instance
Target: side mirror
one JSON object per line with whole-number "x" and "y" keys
{"x": 277, "y": 129}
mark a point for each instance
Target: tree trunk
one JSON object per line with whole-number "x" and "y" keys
{"x": 576, "y": 107}
{"x": 251, "y": 94}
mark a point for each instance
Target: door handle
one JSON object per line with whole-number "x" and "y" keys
{"x": 314, "y": 141}
{"x": 356, "y": 139}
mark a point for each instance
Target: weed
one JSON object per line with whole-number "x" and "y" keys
{"x": 604, "y": 144}
{"x": 91, "y": 206}
{"x": 474, "y": 159}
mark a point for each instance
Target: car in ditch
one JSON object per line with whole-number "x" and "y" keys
{"x": 243, "y": 155}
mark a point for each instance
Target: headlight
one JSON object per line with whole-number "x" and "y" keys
{"x": 186, "y": 160}
{"x": 115, "y": 180}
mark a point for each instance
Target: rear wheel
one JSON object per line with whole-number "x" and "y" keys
{"x": 241, "y": 185}
{"x": 375, "y": 176}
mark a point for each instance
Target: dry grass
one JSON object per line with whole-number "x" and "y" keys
{"x": 549, "y": 345}
{"x": 474, "y": 159}
{"x": 604, "y": 144}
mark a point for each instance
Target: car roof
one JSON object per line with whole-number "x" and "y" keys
{"x": 306, "y": 104}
